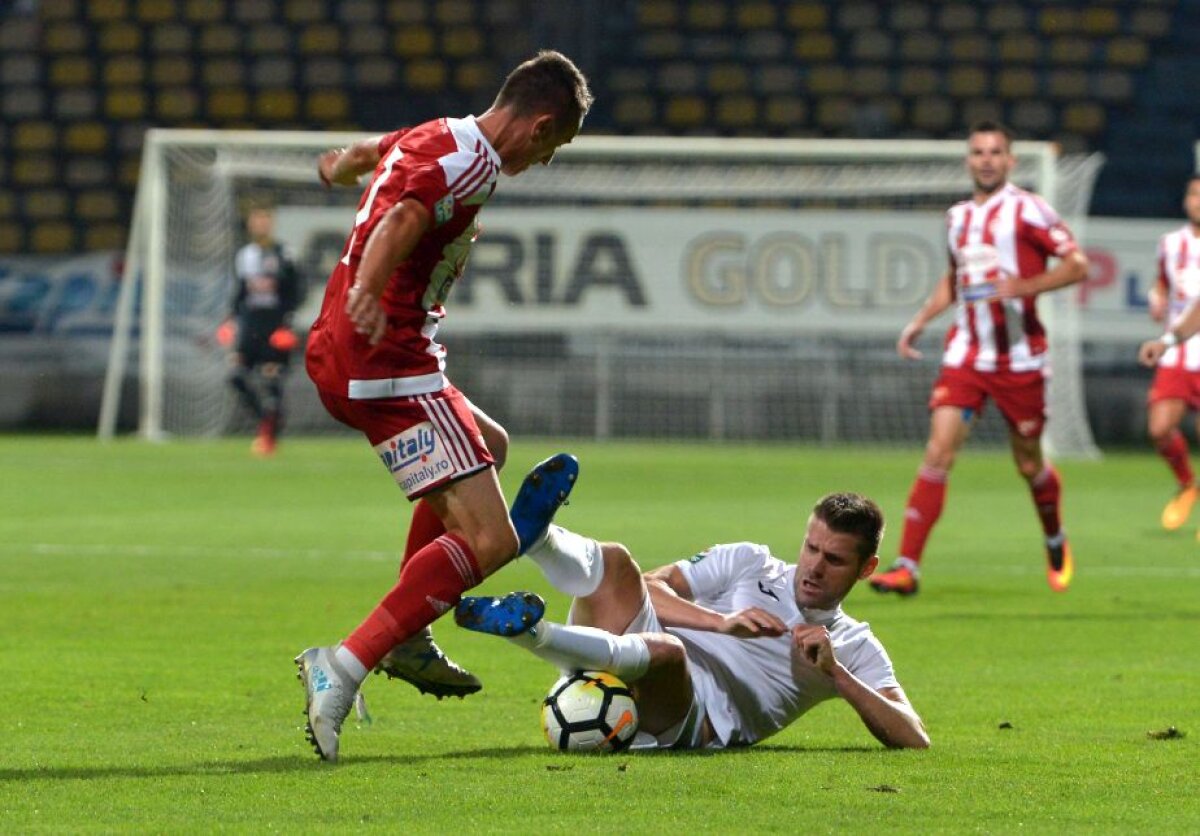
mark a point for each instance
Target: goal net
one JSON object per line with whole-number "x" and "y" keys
{"x": 638, "y": 287}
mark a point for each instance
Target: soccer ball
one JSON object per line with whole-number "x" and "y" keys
{"x": 589, "y": 711}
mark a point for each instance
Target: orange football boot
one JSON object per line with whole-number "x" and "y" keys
{"x": 899, "y": 579}
{"x": 1177, "y": 511}
{"x": 1060, "y": 566}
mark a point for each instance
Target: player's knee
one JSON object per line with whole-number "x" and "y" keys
{"x": 1029, "y": 468}
{"x": 667, "y": 653}
{"x": 620, "y": 569}
{"x": 493, "y": 547}
{"x": 939, "y": 455}
{"x": 1159, "y": 432}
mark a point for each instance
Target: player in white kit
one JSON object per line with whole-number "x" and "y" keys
{"x": 724, "y": 648}
{"x": 1176, "y": 386}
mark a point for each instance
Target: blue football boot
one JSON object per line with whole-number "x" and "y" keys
{"x": 544, "y": 490}
{"x": 506, "y": 615}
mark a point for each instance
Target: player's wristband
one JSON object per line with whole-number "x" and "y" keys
{"x": 1169, "y": 339}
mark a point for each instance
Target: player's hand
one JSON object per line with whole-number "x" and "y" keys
{"x": 226, "y": 332}
{"x": 811, "y": 649}
{"x": 1150, "y": 352}
{"x": 367, "y": 314}
{"x": 283, "y": 339}
{"x": 904, "y": 345}
{"x": 327, "y": 170}
{"x": 1010, "y": 287}
{"x": 752, "y": 623}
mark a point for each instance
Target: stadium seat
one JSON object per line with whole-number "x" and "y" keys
{"x": 909, "y": 17}
{"x": 115, "y": 10}
{"x": 629, "y": 79}
{"x": 8, "y": 199}
{"x": 45, "y": 204}
{"x": 220, "y": 39}
{"x": 1070, "y": 50}
{"x": 653, "y": 14}
{"x": 870, "y": 81}
{"x": 273, "y": 71}
{"x": 171, "y": 70}
{"x": 326, "y": 107}
{"x": 857, "y": 15}
{"x": 1086, "y": 118}
{"x": 1112, "y": 86}
{"x": 706, "y": 15}
{"x": 957, "y": 17}
{"x": 223, "y": 72}
{"x": 425, "y": 75}
{"x": 320, "y": 39}
{"x": 476, "y": 75}
{"x": 1128, "y": 52}
{"x": 154, "y": 11}
{"x": 34, "y": 137}
{"x": 1016, "y": 83}
{"x": 358, "y": 13}
{"x": 366, "y": 39}
{"x": 828, "y": 79}
{"x": 86, "y": 138}
{"x": 636, "y": 110}
{"x": 1007, "y": 18}
{"x": 1149, "y": 23}
{"x": 276, "y": 105}
{"x": 815, "y": 46}
{"x": 969, "y": 47}
{"x": 376, "y": 71}
{"x": 934, "y": 114}
{"x": 679, "y": 77}
{"x": 1019, "y": 48}
{"x": 918, "y": 81}
{"x": 807, "y": 17}
{"x": 454, "y": 12}
{"x": 104, "y": 236}
{"x": 965, "y": 81}
{"x": 660, "y": 44}
{"x": 871, "y": 45}
{"x": 255, "y": 11}
{"x": 97, "y": 205}
{"x": 919, "y": 48}
{"x": 1067, "y": 84}
{"x": 172, "y": 38}
{"x": 324, "y": 72}
{"x": 119, "y": 38}
{"x": 82, "y": 172}
{"x": 176, "y": 105}
{"x": 685, "y": 111}
{"x": 1032, "y": 117}
{"x": 269, "y": 39}
{"x": 24, "y": 102}
{"x": 462, "y": 42}
{"x": 205, "y": 11}
{"x": 754, "y": 15}
{"x": 778, "y": 79}
{"x": 406, "y": 12}
{"x": 72, "y": 71}
{"x": 227, "y": 104}
{"x": 1058, "y": 20}
{"x": 415, "y": 41}
{"x": 304, "y": 11}
{"x": 1100, "y": 20}
{"x": 126, "y": 69}
{"x": 75, "y": 103}
{"x": 764, "y": 45}
{"x": 52, "y": 237}
{"x": 20, "y": 34}
{"x": 786, "y": 112}
{"x": 59, "y": 9}
{"x": 737, "y": 111}
{"x": 978, "y": 110}
{"x": 123, "y": 103}
{"x": 835, "y": 114}
{"x": 12, "y": 238}
{"x": 728, "y": 78}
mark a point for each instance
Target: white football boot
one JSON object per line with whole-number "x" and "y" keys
{"x": 422, "y": 664}
{"x": 329, "y": 695}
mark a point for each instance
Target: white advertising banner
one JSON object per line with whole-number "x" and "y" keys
{"x": 733, "y": 271}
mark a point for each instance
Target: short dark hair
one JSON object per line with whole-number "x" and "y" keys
{"x": 548, "y": 82}
{"x": 990, "y": 126}
{"x": 853, "y": 514}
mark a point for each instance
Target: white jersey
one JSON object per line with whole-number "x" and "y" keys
{"x": 1179, "y": 280}
{"x": 746, "y": 685}
{"x": 1012, "y": 233}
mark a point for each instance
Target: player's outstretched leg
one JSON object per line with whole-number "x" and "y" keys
{"x": 541, "y": 494}
{"x": 329, "y": 694}
{"x": 1060, "y": 565}
{"x": 422, "y": 664}
{"x": 506, "y": 615}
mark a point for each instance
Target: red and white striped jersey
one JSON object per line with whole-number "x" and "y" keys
{"x": 451, "y": 169}
{"x": 1179, "y": 279}
{"x": 1013, "y": 233}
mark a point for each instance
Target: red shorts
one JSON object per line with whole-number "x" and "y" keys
{"x": 1020, "y": 396}
{"x": 1174, "y": 384}
{"x": 425, "y": 441}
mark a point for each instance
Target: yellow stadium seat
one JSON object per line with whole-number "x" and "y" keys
{"x": 454, "y": 12}
{"x": 269, "y": 39}
{"x": 35, "y": 137}
{"x": 1020, "y": 48}
{"x": 979, "y": 110}
{"x": 874, "y": 45}
{"x": 86, "y": 138}
{"x": 966, "y": 80}
{"x": 119, "y": 38}
{"x": 970, "y": 46}
{"x": 1007, "y": 17}
{"x": 785, "y": 111}
{"x": 376, "y": 71}
{"x": 657, "y": 13}
{"x": 128, "y": 170}
{"x": 366, "y": 39}
{"x": 327, "y": 106}
{"x": 65, "y": 36}
{"x": 815, "y": 46}
{"x": 125, "y": 103}
{"x": 1016, "y": 83}
{"x": 475, "y": 75}
{"x": 46, "y": 204}
{"x": 636, "y": 109}
{"x": 1070, "y": 50}
{"x": 320, "y": 39}
{"x": 304, "y": 11}
{"x": 920, "y": 47}
{"x": 1128, "y": 52}
{"x": 807, "y": 17}
{"x": 278, "y": 105}
{"x": 1067, "y": 84}
{"x": 72, "y": 71}
{"x": 686, "y": 111}
{"x": 104, "y": 236}
{"x": 204, "y": 11}
{"x": 220, "y": 39}
{"x": 228, "y": 104}
{"x": 756, "y": 14}
{"x": 1087, "y": 118}
{"x": 728, "y": 78}
{"x": 958, "y": 17}
{"x": 8, "y": 199}
{"x": 156, "y": 11}
{"x": 171, "y": 70}
{"x": 224, "y": 72}
{"x": 425, "y": 74}
{"x": 415, "y": 41}
{"x": 405, "y": 12}
{"x": 1057, "y": 20}
{"x": 462, "y": 42}
{"x": 1099, "y": 20}
{"x": 736, "y": 111}
{"x": 918, "y": 81}
{"x": 870, "y": 81}
{"x": 58, "y": 9}
{"x": 177, "y": 104}
{"x": 934, "y": 114}
{"x": 246, "y": 12}
{"x": 827, "y": 79}
{"x": 12, "y": 238}
{"x": 52, "y": 237}
{"x": 834, "y": 113}
{"x": 107, "y": 10}
{"x": 358, "y": 12}
{"x": 273, "y": 71}
{"x": 171, "y": 38}
{"x": 707, "y": 15}
{"x": 126, "y": 69}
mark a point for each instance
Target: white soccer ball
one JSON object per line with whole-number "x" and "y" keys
{"x": 589, "y": 711}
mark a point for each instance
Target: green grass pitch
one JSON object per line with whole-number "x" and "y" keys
{"x": 152, "y": 598}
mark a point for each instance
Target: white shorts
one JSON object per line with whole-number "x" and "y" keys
{"x": 688, "y": 732}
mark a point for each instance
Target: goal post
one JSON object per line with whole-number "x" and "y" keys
{"x": 729, "y": 289}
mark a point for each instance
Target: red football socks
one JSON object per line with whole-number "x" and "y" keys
{"x": 426, "y": 526}
{"x": 925, "y": 503}
{"x": 431, "y": 582}
{"x": 1047, "y": 494}
{"x": 1175, "y": 450}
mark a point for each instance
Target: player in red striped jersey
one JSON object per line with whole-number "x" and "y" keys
{"x": 1000, "y": 243}
{"x": 374, "y": 358}
{"x": 1176, "y": 386}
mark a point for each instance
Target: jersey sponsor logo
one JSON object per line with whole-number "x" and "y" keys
{"x": 980, "y": 292}
{"x": 443, "y": 210}
{"x": 982, "y": 258}
{"x": 415, "y": 457}
{"x": 766, "y": 590}
{"x": 697, "y": 557}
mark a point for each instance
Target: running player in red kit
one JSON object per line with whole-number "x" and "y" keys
{"x": 374, "y": 358}
{"x": 1176, "y": 386}
{"x": 1000, "y": 242}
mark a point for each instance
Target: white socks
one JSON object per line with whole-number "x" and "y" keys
{"x": 573, "y": 564}
{"x": 573, "y": 647}
{"x": 350, "y": 663}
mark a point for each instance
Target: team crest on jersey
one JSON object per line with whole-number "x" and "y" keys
{"x": 443, "y": 210}
{"x": 415, "y": 457}
{"x": 697, "y": 557}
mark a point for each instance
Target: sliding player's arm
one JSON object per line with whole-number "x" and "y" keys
{"x": 671, "y": 597}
